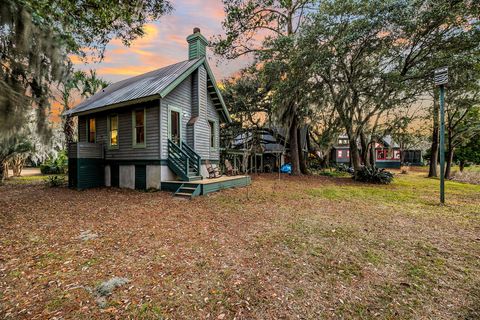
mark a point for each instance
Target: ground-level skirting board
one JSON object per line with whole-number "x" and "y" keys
{"x": 387, "y": 164}
{"x": 209, "y": 185}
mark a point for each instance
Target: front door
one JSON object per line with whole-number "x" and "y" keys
{"x": 174, "y": 130}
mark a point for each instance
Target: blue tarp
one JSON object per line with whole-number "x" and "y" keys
{"x": 286, "y": 168}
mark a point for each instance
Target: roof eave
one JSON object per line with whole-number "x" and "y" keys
{"x": 113, "y": 106}
{"x": 180, "y": 78}
{"x": 226, "y": 114}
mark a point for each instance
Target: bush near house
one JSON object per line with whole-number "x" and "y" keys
{"x": 374, "y": 175}
{"x": 55, "y": 181}
{"x": 58, "y": 165}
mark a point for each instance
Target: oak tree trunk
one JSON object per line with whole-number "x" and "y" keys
{"x": 3, "y": 172}
{"x": 293, "y": 140}
{"x": 432, "y": 172}
{"x": 301, "y": 156}
{"x": 364, "y": 151}
{"x": 448, "y": 163}
{"x": 354, "y": 154}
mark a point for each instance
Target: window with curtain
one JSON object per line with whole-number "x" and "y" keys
{"x": 92, "y": 130}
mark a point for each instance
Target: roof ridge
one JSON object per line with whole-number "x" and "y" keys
{"x": 119, "y": 85}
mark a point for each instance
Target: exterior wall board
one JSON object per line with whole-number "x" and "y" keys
{"x": 125, "y": 148}
{"x": 202, "y": 134}
{"x": 153, "y": 176}
{"x": 181, "y": 98}
{"x": 127, "y": 176}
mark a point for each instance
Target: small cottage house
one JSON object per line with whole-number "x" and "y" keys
{"x": 387, "y": 152}
{"x": 156, "y": 130}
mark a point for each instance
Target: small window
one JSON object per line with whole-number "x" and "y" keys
{"x": 91, "y": 130}
{"x": 381, "y": 154}
{"x": 139, "y": 128}
{"x": 113, "y": 131}
{"x": 174, "y": 132}
{"x": 213, "y": 139}
{"x": 339, "y": 154}
{"x": 348, "y": 153}
{"x": 396, "y": 154}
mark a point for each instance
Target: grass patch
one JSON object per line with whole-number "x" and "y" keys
{"x": 363, "y": 193}
{"x": 33, "y": 179}
{"x": 146, "y": 311}
{"x": 372, "y": 257}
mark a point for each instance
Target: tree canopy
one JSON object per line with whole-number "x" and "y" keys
{"x": 37, "y": 36}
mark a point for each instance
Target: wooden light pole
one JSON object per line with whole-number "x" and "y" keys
{"x": 441, "y": 79}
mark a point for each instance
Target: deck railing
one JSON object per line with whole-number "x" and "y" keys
{"x": 195, "y": 159}
{"x": 183, "y": 160}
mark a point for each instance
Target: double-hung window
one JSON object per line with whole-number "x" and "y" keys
{"x": 113, "y": 131}
{"x": 213, "y": 134}
{"x": 91, "y": 130}
{"x": 138, "y": 128}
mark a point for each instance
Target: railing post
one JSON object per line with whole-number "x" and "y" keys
{"x": 187, "y": 169}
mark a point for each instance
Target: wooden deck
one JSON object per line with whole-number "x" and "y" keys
{"x": 208, "y": 185}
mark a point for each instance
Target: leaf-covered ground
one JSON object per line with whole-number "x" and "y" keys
{"x": 310, "y": 248}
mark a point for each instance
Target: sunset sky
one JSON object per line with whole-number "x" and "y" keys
{"x": 165, "y": 43}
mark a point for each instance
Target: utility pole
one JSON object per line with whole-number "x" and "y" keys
{"x": 441, "y": 79}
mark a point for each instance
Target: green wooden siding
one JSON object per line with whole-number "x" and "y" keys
{"x": 140, "y": 177}
{"x": 242, "y": 181}
{"x": 114, "y": 175}
{"x": 387, "y": 164}
{"x": 86, "y": 173}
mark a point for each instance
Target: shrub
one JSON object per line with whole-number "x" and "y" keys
{"x": 374, "y": 175}
{"x": 58, "y": 165}
{"x": 55, "y": 181}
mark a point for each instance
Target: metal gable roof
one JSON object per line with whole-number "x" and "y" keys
{"x": 149, "y": 84}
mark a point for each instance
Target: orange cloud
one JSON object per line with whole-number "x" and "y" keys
{"x": 125, "y": 71}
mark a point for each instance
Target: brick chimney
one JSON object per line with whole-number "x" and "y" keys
{"x": 197, "y": 44}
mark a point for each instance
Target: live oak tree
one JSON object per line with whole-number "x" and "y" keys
{"x": 372, "y": 57}
{"x": 291, "y": 92}
{"x": 469, "y": 152}
{"x": 248, "y": 103}
{"x": 36, "y": 37}
{"x": 14, "y": 145}
{"x": 247, "y": 25}
{"x": 462, "y": 107}
{"x": 350, "y": 50}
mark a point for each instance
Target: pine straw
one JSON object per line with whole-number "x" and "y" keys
{"x": 472, "y": 177}
{"x": 311, "y": 247}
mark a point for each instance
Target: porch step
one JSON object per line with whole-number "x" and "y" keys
{"x": 183, "y": 194}
{"x": 188, "y": 188}
{"x": 187, "y": 191}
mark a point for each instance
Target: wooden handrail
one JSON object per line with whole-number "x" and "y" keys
{"x": 182, "y": 157}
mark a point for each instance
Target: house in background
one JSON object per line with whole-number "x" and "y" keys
{"x": 387, "y": 152}
{"x": 262, "y": 150}
{"x": 156, "y": 130}
{"x": 340, "y": 153}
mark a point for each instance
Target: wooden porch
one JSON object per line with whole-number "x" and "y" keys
{"x": 201, "y": 187}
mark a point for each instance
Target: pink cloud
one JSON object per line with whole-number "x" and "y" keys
{"x": 165, "y": 43}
